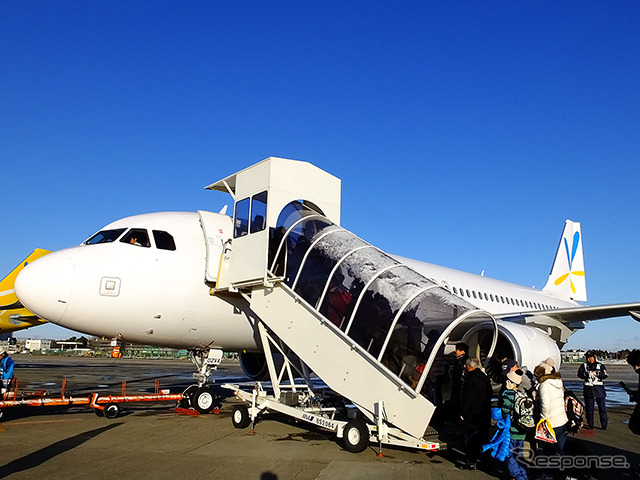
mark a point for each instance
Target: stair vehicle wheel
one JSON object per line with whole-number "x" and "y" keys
{"x": 111, "y": 410}
{"x": 203, "y": 400}
{"x": 355, "y": 436}
{"x": 187, "y": 395}
{"x": 240, "y": 416}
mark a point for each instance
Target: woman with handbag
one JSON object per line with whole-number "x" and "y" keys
{"x": 552, "y": 408}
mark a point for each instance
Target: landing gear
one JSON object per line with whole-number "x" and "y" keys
{"x": 200, "y": 396}
{"x": 205, "y": 361}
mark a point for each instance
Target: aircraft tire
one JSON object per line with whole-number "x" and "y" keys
{"x": 240, "y": 416}
{"x": 111, "y": 410}
{"x": 203, "y": 400}
{"x": 355, "y": 436}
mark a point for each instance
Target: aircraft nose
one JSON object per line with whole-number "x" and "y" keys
{"x": 44, "y": 286}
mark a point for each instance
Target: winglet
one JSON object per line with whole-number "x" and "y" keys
{"x": 567, "y": 278}
{"x": 13, "y": 316}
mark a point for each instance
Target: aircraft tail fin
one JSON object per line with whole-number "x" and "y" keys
{"x": 567, "y": 277}
{"x": 13, "y": 315}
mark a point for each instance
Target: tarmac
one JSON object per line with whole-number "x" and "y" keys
{"x": 152, "y": 441}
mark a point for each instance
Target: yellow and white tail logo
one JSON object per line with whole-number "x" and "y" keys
{"x": 13, "y": 316}
{"x": 567, "y": 278}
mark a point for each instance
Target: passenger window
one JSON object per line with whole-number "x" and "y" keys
{"x": 241, "y": 223}
{"x": 455, "y": 290}
{"x": 137, "y": 236}
{"x": 105, "y": 236}
{"x": 258, "y": 212}
{"x": 164, "y": 240}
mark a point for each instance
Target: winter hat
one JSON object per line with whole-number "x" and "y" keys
{"x": 545, "y": 369}
{"x": 589, "y": 354}
{"x": 515, "y": 377}
{"x": 551, "y": 362}
{"x": 508, "y": 364}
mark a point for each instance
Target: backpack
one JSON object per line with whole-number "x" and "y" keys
{"x": 575, "y": 411}
{"x": 522, "y": 415}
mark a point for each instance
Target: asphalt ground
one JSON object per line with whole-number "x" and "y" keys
{"x": 152, "y": 441}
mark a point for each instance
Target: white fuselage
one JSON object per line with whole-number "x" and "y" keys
{"x": 159, "y": 297}
{"x": 150, "y": 295}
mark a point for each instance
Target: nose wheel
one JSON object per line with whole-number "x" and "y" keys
{"x": 201, "y": 399}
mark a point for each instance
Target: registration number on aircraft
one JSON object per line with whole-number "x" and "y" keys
{"x": 321, "y": 422}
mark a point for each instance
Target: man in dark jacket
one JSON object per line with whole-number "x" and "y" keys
{"x": 475, "y": 412}
{"x": 593, "y": 373}
{"x": 458, "y": 370}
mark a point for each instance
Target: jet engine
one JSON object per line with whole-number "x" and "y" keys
{"x": 529, "y": 346}
{"x": 254, "y": 365}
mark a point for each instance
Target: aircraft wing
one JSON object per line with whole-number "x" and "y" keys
{"x": 561, "y": 323}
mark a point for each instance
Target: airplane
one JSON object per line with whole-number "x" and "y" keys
{"x": 184, "y": 280}
{"x": 13, "y": 315}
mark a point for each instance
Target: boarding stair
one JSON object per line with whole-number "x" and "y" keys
{"x": 355, "y": 316}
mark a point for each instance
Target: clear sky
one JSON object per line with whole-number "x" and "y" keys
{"x": 464, "y": 132}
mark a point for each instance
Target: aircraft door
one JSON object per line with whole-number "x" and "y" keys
{"x": 216, "y": 231}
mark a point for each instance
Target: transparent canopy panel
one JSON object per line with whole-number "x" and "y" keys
{"x": 392, "y": 312}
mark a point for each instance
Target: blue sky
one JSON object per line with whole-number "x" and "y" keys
{"x": 464, "y": 132}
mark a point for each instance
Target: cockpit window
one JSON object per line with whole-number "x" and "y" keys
{"x": 137, "y": 236}
{"x": 164, "y": 240}
{"x": 105, "y": 236}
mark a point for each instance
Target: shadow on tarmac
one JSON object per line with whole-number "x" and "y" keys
{"x": 45, "y": 454}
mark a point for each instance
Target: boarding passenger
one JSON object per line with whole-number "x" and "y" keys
{"x": 338, "y": 299}
{"x": 528, "y": 384}
{"x": 475, "y": 414}
{"x": 437, "y": 374}
{"x": 6, "y": 371}
{"x": 458, "y": 370}
{"x": 552, "y": 408}
{"x": 552, "y": 405}
{"x": 593, "y": 373}
{"x": 516, "y": 444}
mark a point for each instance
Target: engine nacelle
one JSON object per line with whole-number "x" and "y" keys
{"x": 254, "y": 365}
{"x": 529, "y": 346}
